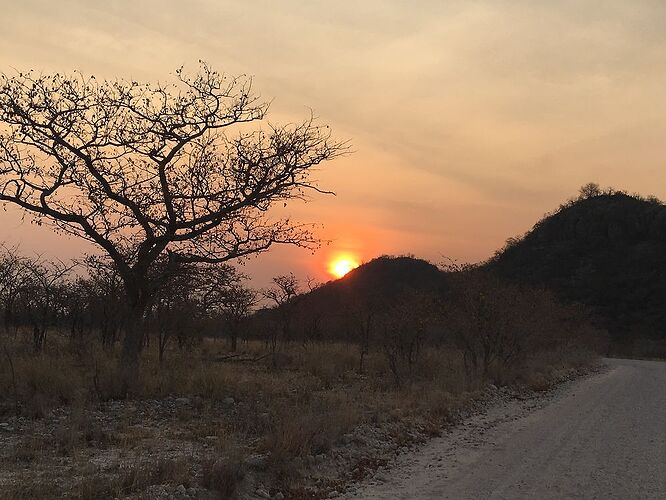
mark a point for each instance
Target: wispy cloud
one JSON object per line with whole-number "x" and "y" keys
{"x": 491, "y": 107}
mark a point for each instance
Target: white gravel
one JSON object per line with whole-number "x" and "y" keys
{"x": 602, "y": 436}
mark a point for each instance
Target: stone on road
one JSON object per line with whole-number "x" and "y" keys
{"x": 602, "y": 436}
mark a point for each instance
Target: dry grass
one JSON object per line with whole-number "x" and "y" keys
{"x": 129, "y": 478}
{"x": 39, "y": 383}
{"x": 224, "y": 475}
{"x": 299, "y": 410}
{"x": 311, "y": 426}
{"x": 80, "y": 431}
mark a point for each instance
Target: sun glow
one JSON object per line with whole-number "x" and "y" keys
{"x": 341, "y": 265}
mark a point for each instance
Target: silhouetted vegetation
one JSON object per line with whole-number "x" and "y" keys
{"x": 605, "y": 249}
{"x": 152, "y": 175}
{"x": 397, "y": 344}
{"x": 399, "y": 306}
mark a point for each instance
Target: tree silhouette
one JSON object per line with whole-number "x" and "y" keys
{"x": 144, "y": 170}
{"x": 285, "y": 290}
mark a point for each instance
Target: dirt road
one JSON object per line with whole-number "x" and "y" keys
{"x": 603, "y": 436}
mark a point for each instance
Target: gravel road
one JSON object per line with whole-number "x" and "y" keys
{"x": 602, "y": 436}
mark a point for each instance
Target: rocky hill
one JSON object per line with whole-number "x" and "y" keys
{"x": 604, "y": 249}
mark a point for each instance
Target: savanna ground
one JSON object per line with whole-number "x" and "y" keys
{"x": 208, "y": 424}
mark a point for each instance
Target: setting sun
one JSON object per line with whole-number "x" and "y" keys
{"x": 340, "y": 266}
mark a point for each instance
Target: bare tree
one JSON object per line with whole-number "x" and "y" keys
{"x": 284, "y": 291}
{"x": 105, "y": 296}
{"x": 405, "y": 325}
{"x": 46, "y": 288}
{"x": 497, "y": 325}
{"x": 237, "y": 305}
{"x": 144, "y": 170}
{"x": 214, "y": 291}
{"x": 363, "y": 319}
{"x": 174, "y": 310}
{"x": 75, "y": 301}
{"x": 589, "y": 190}
{"x": 14, "y": 273}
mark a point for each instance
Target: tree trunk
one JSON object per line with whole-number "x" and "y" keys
{"x": 233, "y": 337}
{"x": 133, "y": 341}
{"x": 128, "y": 366}
{"x": 361, "y": 360}
{"x": 38, "y": 335}
{"x": 8, "y": 318}
{"x": 162, "y": 338}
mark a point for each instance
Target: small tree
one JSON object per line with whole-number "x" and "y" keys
{"x": 360, "y": 312}
{"x": 46, "y": 289}
{"x": 76, "y": 302}
{"x": 146, "y": 170}
{"x": 311, "y": 315}
{"x": 14, "y": 273}
{"x": 497, "y": 325}
{"x": 405, "y": 325}
{"x": 175, "y": 311}
{"x": 237, "y": 306}
{"x": 283, "y": 293}
{"x": 589, "y": 190}
{"x": 106, "y": 300}
{"x": 222, "y": 297}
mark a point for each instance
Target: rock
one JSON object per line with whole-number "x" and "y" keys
{"x": 181, "y": 491}
{"x": 278, "y": 496}
{"x": 192, "y": 492}
{"x": 333, "y": 494}
{"x": 380, "y": 477}
{"x": 158, "y": 492}
{"x": 262, "y": 493}
{"x": 183, "y": 401}
{"x": 228, "y": 401}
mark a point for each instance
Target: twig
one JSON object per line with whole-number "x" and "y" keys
{"x": 236, "y": 359}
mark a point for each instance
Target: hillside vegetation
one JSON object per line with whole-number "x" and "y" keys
{"x": 606, "y": 250}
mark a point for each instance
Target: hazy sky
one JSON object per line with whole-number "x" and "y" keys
{"x": 469, "y": 120}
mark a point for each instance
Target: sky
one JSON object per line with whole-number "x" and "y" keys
{"x": 468, "y": 119}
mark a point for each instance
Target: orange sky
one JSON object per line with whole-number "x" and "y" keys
{"x": 469, "y": 120}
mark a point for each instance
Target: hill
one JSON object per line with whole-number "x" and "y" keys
{"x": 373, "y": 287}
{"x": 389, "y": 275}
{"x": 377, "y": 282}
{"x": 606, "y": 250}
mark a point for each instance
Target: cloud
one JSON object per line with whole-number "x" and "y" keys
{"x": 473, "y": 112}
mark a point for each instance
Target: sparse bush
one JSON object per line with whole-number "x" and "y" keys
{"x": 340, "y": 360}
{"x": 224, "y": 475}
{"x": 499, "y": 326}
{"x": 320, "y": 422}
{"x": 37, "y": 384}
{"x": 80, "y": 431}
{"x": 404, "y": 326}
